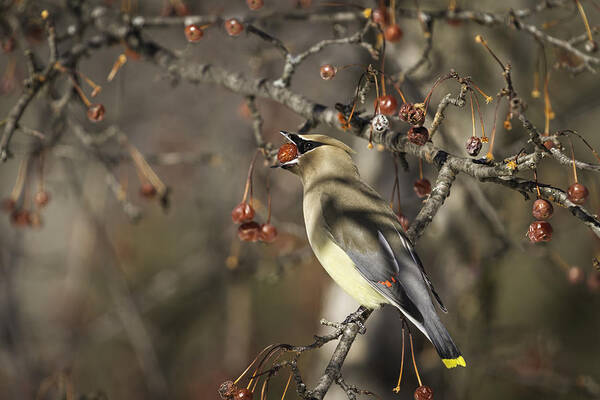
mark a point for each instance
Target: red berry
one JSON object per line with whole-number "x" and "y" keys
{"x": 8, "y": 204}
{"x": 380, "y": 16}
{"x": 542, "y": 209}
{"x": 577, "y": 193}
{"x": 473, "y": 146}
{"x": 387, "y": 104}
{"x": 20, "y": 218}
{"x": 249, "y": 231}
{"x": 411, "y": 114}
{"x": 95, "y": 112}
{"x": 287, "y": 152}
{"x": 243, "y": 394}
{"x": 227, "y": 389}
{"x": 268, "y": 233}
{"x": 423, "y": 393}
{"x": 593, "y": 281}
{"x": 233, "y": 27}
{"x": 393, "y": 33}
{"x": 147, "y": 190}
{"x": 255, "y": 4}
{"x": 422, "y": 187}
{"x": 540, "y": 231}
{"x": 8, "y": 45}
{"x": 42, "y": 198}
{"x": 327, "y": 71}
{"x": 574, "y": 275}
{"x": 418, "y": 135}
{"x": 193, "y": 33}
{"x": 242, "y": 212}
{"x": 403, "y": 220}
{"x": 181, "y": 9}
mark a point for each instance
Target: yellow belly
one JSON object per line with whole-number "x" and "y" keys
{"x": 341, "y": 268}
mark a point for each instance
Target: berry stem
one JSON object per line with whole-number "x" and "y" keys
{"x": 490, "y": 155}
{"x": 480, "y": 39}
{"x": 269, "y": 347}
{"x": 397, "y": 388}
{"x": 268, "y": 200}
{"x": 393, "y": 11}
{"x": 41, "y": 172}
{"x": 21, "y": 178}
{"x": 585, "y": 20}
{"x": 286, "y": 386}
{"x": 80, "y": 92}
{"x": 399, "y": 92}
{"x": 547, "y": 106}
{"x": 143, "y": 166}
{"x": 472, "y": 113}
{"x": 420, "y": 168}
{"x": 573, "y": 161}
{"x": 117, "y": 65}
{"x": 537, "y": 187}
{"x": 248, "y": 187}
{"x": 480, "y": 116}
{"x": 412, "y": 352}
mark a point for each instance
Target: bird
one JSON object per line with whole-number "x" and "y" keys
{"x": 359, "y": 241}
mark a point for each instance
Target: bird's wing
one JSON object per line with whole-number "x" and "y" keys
{"x": 371, "y": 236}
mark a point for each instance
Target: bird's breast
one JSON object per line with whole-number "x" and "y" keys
{"x": 338, "y": 264}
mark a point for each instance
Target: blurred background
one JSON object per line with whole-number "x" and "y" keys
{"x": 92, "y": 304}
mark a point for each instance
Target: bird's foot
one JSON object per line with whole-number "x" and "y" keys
{"x": 358, "y": 317}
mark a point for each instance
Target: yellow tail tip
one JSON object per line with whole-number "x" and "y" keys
{"x": 454, "y": 362}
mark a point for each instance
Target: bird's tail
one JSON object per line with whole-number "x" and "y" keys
{"x": 443, "y": 343}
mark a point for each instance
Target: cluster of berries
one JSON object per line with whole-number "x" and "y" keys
{"x": 194, "y": 32}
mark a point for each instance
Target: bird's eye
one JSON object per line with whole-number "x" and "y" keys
{"x": 307, "y": 146}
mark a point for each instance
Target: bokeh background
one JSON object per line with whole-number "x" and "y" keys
{"x": 175, "y": 304}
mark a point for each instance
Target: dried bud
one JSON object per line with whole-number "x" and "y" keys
{"x": 418, "y": 135}
{"x": 327, "y": 71}
{"x": 423, "y": 393}
{"x": 387, "y": 104}
{"x": 577, "y": 193}
{"x": 268, "y": 233}
{"x": 255, "y": 4}
{"x": 393, "y": 33}
{"x": 95, "y": 112}
{"x": 422, "y": 187}
{"x": 549, "y": 144}
{"x": 227, "y": 389}
{"x": 42, "y": 198}
{"x": 8, "y": 204}
{"x": 242, "y": 212}
{"x": 193, "y": 33}
{"x": 473, "y": 146}
{"x": 147, "y": 190}
{"x": 412, "y": 114}
{"x": 380, "y": 123}
{"x": 540, "y": 231}
{"x": 249, "y": 231}
{"x": 287, "y": 152}
{"x": 542, "y": 209}
{"x": 380, "y": 16}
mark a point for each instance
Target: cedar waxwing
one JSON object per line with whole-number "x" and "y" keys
{"x": 358, "y": 240}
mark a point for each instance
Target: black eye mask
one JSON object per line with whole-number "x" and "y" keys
{"x": 304, "y": 145}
